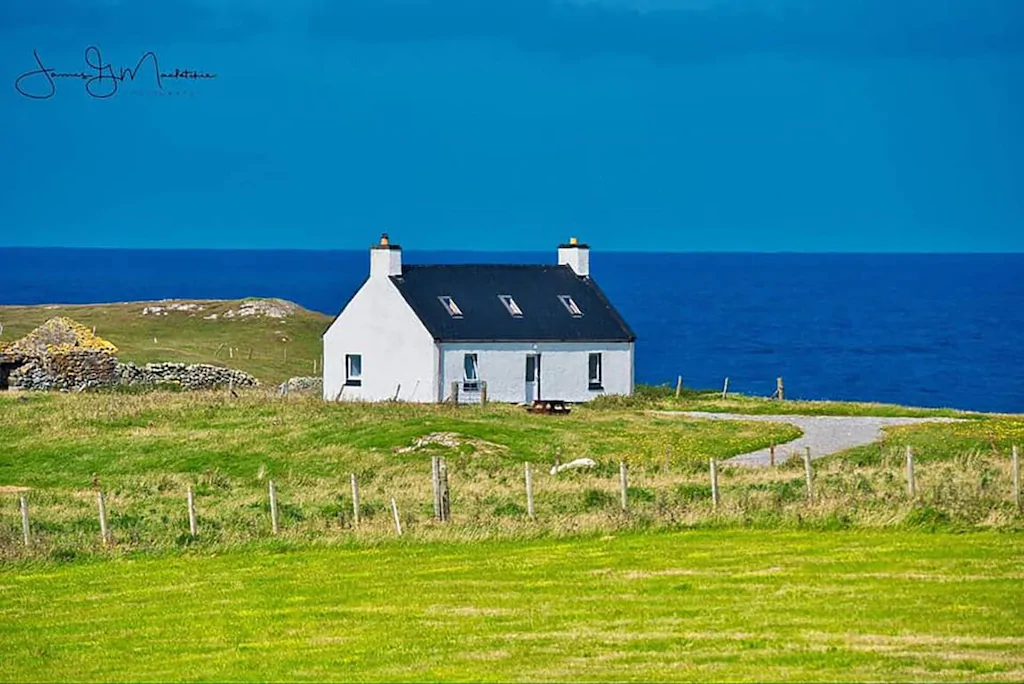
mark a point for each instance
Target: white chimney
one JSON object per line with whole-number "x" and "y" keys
{"x": 385, "y": 259}
{"x": 575, "y": 256}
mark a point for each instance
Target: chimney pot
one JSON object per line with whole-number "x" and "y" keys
{"x": 385, "y": 258}
{"x": 575, "y": 256}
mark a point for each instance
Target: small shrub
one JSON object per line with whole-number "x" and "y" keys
{"x": 927, "y": 518}
{"x": 640, "y": 494}
{"x": 692, "y": 492}
{"x": 596, "y": 499}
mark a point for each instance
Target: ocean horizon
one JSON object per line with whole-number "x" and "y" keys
{"x": 923, "y": 329}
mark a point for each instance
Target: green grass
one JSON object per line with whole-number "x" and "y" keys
{"x": 663, "y": 397}
{"x": 711, "y": 605}
{"x": 186, "y": 337}
{"x": 145, "y": 451}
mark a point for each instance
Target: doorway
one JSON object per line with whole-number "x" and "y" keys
{"x": 532, "y": 378}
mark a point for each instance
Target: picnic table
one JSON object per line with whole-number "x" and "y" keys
{"x": 552, "y": 406}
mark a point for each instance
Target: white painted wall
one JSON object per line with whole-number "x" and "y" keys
{"x": 564, "y": 368}
{"x": 379, "y": 325}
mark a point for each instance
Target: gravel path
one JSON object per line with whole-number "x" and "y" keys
{"x": 823, "y": 434}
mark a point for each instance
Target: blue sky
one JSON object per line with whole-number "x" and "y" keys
{"x": 691, "y": 125}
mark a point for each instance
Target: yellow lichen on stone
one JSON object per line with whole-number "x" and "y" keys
{"x": 62, "y": 335}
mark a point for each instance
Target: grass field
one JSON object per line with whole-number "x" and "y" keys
{"x": 863, "y": 582}
{"x": 145, "y": 451}
{"x": 711, "y": 605}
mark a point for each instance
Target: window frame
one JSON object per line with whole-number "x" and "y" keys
{"x": 571, "y": 306}
{"x": 471, "y": 384}
{"x": 353, "y": 380}
{"x": 448, "y": 302}
{"x": 511, "y": 305}
{"x": 595, "y": 382}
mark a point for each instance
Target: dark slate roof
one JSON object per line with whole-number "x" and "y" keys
{"x": 475, "y": 289}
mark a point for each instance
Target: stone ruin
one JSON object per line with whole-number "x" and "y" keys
{"x": 64, "y": 355}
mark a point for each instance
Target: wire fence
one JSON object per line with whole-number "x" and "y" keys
{"x": 976, "y": 489}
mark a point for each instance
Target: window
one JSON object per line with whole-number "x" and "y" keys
{"x": 511, "y": 305}
{"x": 594, "y": 375}
{"x": 469, "y": 366}
{"x": 451, "y": 307}
{"x": 353, "y": 369}
{"x": 570, "y": 305}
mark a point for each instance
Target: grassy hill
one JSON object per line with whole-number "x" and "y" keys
{"x": 272, "y": 349}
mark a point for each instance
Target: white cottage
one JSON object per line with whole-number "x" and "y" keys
{"x": 530, "y": 331}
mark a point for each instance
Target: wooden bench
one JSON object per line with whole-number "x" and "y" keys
{"x": 551, "y": 406}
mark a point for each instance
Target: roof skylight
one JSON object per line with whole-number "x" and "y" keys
{"x": 511, "y": 305}
{"x": 570, "y": 305}
{"x": 451, "y": 307}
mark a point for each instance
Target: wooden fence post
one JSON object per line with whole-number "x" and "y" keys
{"x": 273, "y": 508}
{"x": 714, "y": 483}
{"x": 529, "y": 491}
{"x": 435, "y": 487}
{"x": 779, "y": 389}
{"x": 483, "y": 391}
{"x": 104, "y": 532}
{"x": 1016, "y": 476}
{"x": 771, "y": 454}
{"x": 355, "y": 500}
{"x": 455, "y": 392}
{"x": 193, "y": 528}
{"x": 24, "y": 520}
{"x": 624, "y": 484}
{"x": 725, "y": 388}
{"x": 446, "y": 501}
{"x": 679, "y": 386}
{"x": 809, "y": 474}
{"x": 911, "y": 484}
{"x": 398, "y": 523}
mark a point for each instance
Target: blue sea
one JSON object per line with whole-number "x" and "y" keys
{"x": 924, "y": 330}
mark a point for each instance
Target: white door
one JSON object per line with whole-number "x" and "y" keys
{"x": 532, "y": 378}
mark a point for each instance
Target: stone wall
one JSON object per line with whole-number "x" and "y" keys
{"x": 302, "y": 386}
{"x": 87, "y": 370}
{"x": 188, "y": 376}
{"x": 70, "y": 370}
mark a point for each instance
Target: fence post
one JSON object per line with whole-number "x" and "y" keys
{"x": 771, "y": 454}
{"x": 24, "y": 520}
{"x": 679, "y": 386}
{"x": 435, "y": 483}
{"x": 355, "y": 500}
{"x": 911, "y": 484}
{"x": 398, "y": 523}
{"x": 455, "y": 392}
{"x": 624, "y": 483}
{"x": 725, "y": 388}
{"x": 809, "y": 474}
{"x": 1016, "y": 476}
{"x": 273, "y": 508}
{"x": 483, "y": 391}
{"x": 714, "y": 483}
{"x": 104, "y": 532}
{"x": 446, "y": 502}
{"x": 193, "y": 528}
{"x": 529, "y": 491}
